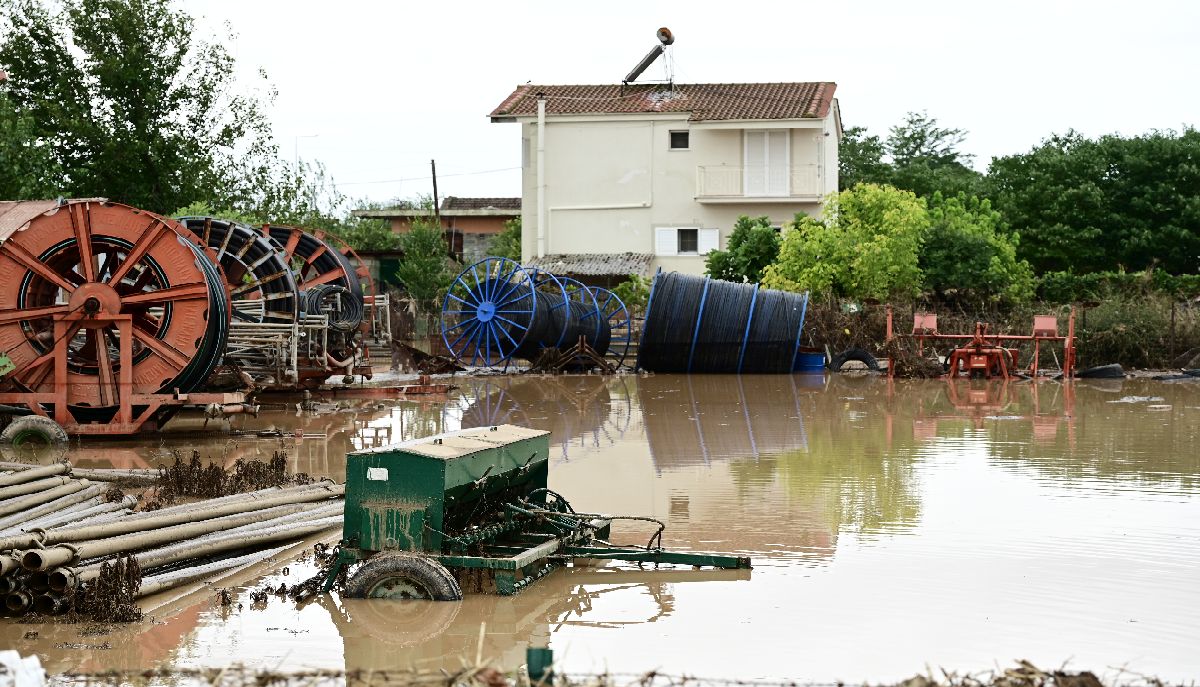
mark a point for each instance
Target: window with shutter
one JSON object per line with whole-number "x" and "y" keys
{"x": 665, "y": 242}
{"x": 709, "y": 240}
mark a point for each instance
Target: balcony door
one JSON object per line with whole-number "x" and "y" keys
{"x": 766, "y": 169}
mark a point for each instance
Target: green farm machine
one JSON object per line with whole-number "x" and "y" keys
{"x": 471, "y": 508}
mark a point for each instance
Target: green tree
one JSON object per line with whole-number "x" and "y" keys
{"x": 867, "y": 245}
{"x": 968, "y": 254}
{"x": 1111, "y": 203}
{"x": 131, "y": 104}
{"x": 926, "y": 158}
{"x": 28, "y": 169}
{"x": 507, "y": 244}
{"x": 425, "y": 268}
{"x": 752, "y": 246}
{"x": 861, "y": 159}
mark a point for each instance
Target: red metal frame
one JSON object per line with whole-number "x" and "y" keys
{"x": 986, "y": 354}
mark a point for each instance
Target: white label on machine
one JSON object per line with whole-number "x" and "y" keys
{"x": 377, "y": 474}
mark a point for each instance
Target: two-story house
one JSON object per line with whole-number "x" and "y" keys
{"x": 660, "y": 172}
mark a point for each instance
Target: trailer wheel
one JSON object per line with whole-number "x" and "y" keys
{"x": 403, "y": 576}
{"x": 853, "y": 354}
{"x": 32, "y": 431}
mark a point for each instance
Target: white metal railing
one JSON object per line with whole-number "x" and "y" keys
{"x": 727, "y": 181}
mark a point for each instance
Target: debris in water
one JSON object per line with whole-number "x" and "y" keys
{"x": 1138, "y": 399}
{"x": 110, "y": 597}
{"x": 195, "y": 478}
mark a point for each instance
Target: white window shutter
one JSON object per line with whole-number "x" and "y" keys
{"x": 709, "y": 240}
{"x": 777, "y": 162}
{"x": 665, "y": 242}
{"x": 755, "y": 182}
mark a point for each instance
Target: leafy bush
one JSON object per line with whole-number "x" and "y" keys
{"x": 425, "y": 270}
{"x": 866, "y": 246}
{"x": 634, "y": 292}
{"x": 752, "y": 246}
{"x": 1065, "y": 287}
{"x": 968, "y": 255}
{"x": 507, "y": 243}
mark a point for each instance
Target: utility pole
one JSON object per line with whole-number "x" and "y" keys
{"x": 437, "y": 211}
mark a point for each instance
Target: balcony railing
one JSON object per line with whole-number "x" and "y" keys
{"x": 720, "y": 182}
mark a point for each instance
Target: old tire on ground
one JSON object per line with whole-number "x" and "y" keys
{"x": 403, "y": 576}
{"x": 33, "y": 430}
{"x": 853, "y": 354}
{"x": 1114, "y": 371}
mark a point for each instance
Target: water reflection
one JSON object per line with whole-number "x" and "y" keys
{"x": 957, "y": 524}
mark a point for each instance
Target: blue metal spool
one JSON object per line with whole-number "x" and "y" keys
{"x": 488, "y": 312}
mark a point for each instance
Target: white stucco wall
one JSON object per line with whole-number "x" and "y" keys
{"x": 611, "y": 182}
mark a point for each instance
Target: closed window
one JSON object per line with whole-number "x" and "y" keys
{"x": 679, "y": 140}
{"x": 767, "y": 169}
{"x": 685, "y": 241}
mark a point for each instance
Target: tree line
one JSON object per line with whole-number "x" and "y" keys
{"x": 124, "y": 99}
{"x": 913, "y": 217}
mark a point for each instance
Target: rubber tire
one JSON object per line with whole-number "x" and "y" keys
{"x": 853, "y": 354}
{"x": 1114, "y": 371}
{"x": 36, "y": 427}
{"x": 425, "y": 573}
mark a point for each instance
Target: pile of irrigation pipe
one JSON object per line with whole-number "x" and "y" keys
{"x": 57, "y": 530}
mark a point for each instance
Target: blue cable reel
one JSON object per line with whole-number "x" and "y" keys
{"x": 620, "y": 326}
{"x": 491, "y": 312}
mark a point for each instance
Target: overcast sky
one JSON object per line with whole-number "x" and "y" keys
{"x": 377, "y": 89}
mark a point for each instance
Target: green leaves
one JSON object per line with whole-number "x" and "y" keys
{"x": 507, "y": 243}
{"x": 425, "y": 269}
{"x": 1105, "y": 204}
{"x": 867, "y": 246}
{"x": 969, "y": 256}
{"x": 752, "y": 246}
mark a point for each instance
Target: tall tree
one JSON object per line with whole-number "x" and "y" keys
{"x": 27, "y": 166}
{"x": 133, "y": 105}
{"x": 1110, "y": 203}
{"x": 861, "y": 159}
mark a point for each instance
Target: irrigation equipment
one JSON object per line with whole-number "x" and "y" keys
{"x": 112, "y": 316}
{"x": 699, "y": 324}
{"x": 473, "y": 501}
{"x": 496, "y": 311}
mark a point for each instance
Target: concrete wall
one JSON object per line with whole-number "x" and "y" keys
{"x": 611, "y": 182}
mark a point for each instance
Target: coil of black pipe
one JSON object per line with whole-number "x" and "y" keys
{"x": 698, "y": 324}
{"x": 345, "y": 312}
{"x": 253, "y": 266}
{"x": 316, "y": 260}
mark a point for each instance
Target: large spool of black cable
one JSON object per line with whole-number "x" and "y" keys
{"x": 699, "y": 324}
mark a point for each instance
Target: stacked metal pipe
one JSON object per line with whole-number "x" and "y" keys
{"x": 57, "y": 530}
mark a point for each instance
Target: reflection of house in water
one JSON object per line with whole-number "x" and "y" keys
{"x": 697, "y": 419}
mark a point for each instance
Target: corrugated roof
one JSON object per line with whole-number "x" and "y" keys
{"x": 704, "y": 102}
{"x": 456, "y": 203}
{"x": 595, "y": 264}
{"x": 18, "y": 213}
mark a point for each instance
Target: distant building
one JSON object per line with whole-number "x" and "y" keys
{"x": 470, "y": 223}
{"x": 661, "y": 172}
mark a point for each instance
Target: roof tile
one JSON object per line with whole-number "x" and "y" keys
{"x": 704, "y": 102}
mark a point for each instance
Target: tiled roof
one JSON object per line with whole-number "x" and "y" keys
{"x": 705, "y": 101}
{"x": 595, "y": 264}
{"x": 456, "y": 203}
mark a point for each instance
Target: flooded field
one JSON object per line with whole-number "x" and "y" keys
{"x": 892, "y": 526}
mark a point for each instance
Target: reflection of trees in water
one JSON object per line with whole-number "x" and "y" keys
{"x": 857, "y": 466}
{"x": 833, "y": 455}
{"x": 577, "y": 410}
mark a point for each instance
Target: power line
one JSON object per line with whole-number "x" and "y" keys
{"x": 427, "y": 177}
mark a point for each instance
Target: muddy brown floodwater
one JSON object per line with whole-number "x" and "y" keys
{"x": 892, "y": 527}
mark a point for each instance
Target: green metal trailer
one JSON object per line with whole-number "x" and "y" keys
{"x": 426, "y": 516}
